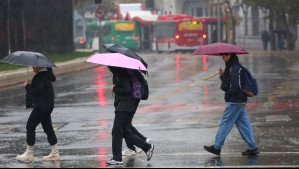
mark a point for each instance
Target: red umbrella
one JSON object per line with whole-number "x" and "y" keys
{"x": 219, "y": 48}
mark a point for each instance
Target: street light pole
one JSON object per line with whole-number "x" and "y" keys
{"x": 101, "y": 16}
{"x": 100, "y": 36}
{"x": 218, "y": 21}
{"x": 8, "y": 26}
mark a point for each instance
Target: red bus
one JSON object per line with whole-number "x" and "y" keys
{"x": 211, "y": 24}
{"x": 178, "y": 33}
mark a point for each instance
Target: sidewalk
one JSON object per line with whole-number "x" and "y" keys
{"x": 14, "y": 77}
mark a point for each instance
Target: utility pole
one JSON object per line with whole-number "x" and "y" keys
{"x": 218, "y": 21}
{"x": 8, "y": 26}
{"x": 100, "y": 15}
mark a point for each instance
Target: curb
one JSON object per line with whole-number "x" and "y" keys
{"x": 9, "y": 78}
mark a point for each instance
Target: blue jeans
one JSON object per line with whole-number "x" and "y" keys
{"x": 235, "y": 114}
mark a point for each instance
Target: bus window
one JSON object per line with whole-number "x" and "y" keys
{"x": 107, "y": 29}
{"x": 164, "y": 29}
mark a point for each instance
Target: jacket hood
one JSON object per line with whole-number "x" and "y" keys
{"x": 233, "y": 60}
{"x": 49, "y": 73}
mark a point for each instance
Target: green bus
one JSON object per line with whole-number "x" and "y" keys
{"x": 125, "y": 33}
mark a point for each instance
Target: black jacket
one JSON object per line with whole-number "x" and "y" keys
{"x": 40, "y": 93}
{"x": 234, "y": 75}
{"x": 123, "y": 91}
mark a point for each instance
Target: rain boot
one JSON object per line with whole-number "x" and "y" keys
{"x": 27, "y": 156}
{"x": 54, "y": 155}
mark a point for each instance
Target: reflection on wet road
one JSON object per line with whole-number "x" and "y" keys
{"x": 181, "y": 115}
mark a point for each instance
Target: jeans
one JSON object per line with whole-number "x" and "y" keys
{"x": 235, "y": 114}
{"x": 44, "y": 117}
{"x": 121, "y": 129}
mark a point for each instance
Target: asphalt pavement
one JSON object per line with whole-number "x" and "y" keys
{"x": 180, "y": 117}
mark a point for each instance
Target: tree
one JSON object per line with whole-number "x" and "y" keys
{"x": 283, "y": 17}
{"x": 37, "y": 25}
{"x": 233, "y": 19}
{"x": 4, "y": 47}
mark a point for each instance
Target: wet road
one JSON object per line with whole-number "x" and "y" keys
{"x": 180, "y": 117}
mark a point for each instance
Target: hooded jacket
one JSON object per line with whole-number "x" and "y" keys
{"x": 233, "y": 81}
{"x": 40, "y": 93}
{"x": 124, "y": 102}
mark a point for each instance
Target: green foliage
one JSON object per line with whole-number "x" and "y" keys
{"x": 289, "y": 7}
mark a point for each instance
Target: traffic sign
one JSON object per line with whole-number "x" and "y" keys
{"x": 100, "y": 13}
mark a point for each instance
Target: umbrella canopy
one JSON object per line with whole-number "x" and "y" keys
{"x": 26, "y": 58}
{"x": 116, "y": 60}
{"x": 116, "y": 48}
{"x": 217, "y": 49}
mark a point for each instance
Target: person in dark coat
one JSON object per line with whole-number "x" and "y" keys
{"x": 265, "y": 39}
{"x": 235, "y": 112}
{"x": 125, "y": 108}
{"x": 131, "y": 149}
{"x": 40, "y": 97}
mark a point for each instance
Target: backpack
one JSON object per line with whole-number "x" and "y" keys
{"x": 249, "y": 85}
{"x": 140, "y": 88}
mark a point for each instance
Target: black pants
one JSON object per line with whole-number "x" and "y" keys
{"x": 136, "y": 132}
{"x": 121, "y": 129}
{"x": 44, "y": 117}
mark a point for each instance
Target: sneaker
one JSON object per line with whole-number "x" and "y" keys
{"x": 212, "y": 149}
{"x": 150, "y": 152}
{"x": 114, "y": 162}
{"x": 251, "y": 152}
{"x": 128, "y": 152}
{"x": 139, "y": 150}
{"x": 148, "y": 140}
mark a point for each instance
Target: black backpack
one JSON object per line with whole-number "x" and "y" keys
{"x": 140, "y": 88}
{"x": 249, "y": 85}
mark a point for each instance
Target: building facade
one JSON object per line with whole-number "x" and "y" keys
{"x": 250, "y": 22}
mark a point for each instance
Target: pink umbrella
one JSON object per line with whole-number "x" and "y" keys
{"x": 116, "y": 60}
{"x": 217, "y": 49}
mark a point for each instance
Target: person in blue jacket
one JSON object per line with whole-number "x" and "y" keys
{"x": 235, "y": 112}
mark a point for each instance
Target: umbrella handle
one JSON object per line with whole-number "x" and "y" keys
{"x": 27, "y": 73}
{"x": 220, "y": 62}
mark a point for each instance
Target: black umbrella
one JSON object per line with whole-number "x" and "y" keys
{"x": 26, "y": 58}
{"x": 116, "y": 48}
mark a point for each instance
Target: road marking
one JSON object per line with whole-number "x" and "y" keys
{"x": 175, "y": 92}
{"x": 210, "y": 76}
{"x": 276, "y": 118}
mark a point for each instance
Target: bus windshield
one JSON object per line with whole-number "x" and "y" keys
{"x": 164, "y": 29}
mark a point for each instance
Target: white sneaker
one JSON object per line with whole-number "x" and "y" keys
{"x": 114, "y": 162}
{"x": 128, "y": 152}
{"x": 150, "y": 152}
{"x": 139, "y": 150}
